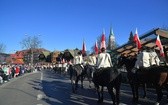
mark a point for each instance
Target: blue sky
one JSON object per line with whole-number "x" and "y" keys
{"x": 64, "y": 24}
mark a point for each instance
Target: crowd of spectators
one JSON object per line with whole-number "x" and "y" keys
{"x": 7, "y": 71}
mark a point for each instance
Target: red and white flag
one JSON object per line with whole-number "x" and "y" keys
{"x": 83, "y": 48}
{"x": 96, "y": 48}
{"x": 136, "y": 40}
{"x": 159, "y": 44}
{"x": 103, "y": 42}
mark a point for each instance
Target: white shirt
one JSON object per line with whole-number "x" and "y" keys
{"x": 78, "y": 59}
{"x": 154, "y": 59}
{"x": 92, "y": 60}
{"x": 143, "y": 60}
{"x": 104, "y": 60}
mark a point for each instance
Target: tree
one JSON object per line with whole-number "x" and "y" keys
{"x": 2, "y": 47}
{"x": 31, "y": 43}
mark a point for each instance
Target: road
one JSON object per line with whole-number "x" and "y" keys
{"x": 49, "y": 88}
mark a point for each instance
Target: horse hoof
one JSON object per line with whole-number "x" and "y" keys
{"x": 157, "y": 103}
{"x": 99, "y": 101}
{"x": 135, "y": 101}
{"x": 144, "y": 97}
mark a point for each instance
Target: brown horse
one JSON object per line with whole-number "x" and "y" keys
{"x": 110, "y": 78}
{"x": 155, "y": 75}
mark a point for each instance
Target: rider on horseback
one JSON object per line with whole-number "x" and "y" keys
{"x": 103, "y": 59}
{"x": 78, "y": 59}
{"x": 143, "y": 59}
{"x": 146, "y": 58}
{"x": 92, "y": 59}
{"x": 154, "y": 59}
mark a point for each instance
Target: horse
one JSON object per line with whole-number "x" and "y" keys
{"x": 76, "y": 73}
{"x": 111, "y": 78}
{"x": 88, "y": 72}
{"x": 155, "y": 75}
{"x": 129, "y": 65}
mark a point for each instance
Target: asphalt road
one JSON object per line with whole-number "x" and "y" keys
{"x": 49, "y": 88}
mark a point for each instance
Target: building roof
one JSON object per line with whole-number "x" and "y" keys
{"x": 148, "y": 39}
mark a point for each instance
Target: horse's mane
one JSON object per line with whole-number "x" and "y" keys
{"x": 77, "y": 67}
{"x": 128, "y": 62}
{"x": 104, "y": 75}
{"x": 154, "y": 69}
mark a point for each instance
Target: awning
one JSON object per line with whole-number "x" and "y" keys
{"x": 148, "y": 39}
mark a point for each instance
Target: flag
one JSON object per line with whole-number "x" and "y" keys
{"x": 103, "y": 43}
{"x": 159, "y": 44}
{"x": 136, "y": 40}
{"x": 83, "y": 48}
{"x": 96, "y": 48}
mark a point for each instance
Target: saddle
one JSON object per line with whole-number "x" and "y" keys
{"x": 109, "y": 72}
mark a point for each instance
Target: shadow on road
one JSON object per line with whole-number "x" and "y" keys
{"x": 57, "y": 90}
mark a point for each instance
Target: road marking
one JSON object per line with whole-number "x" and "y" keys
{"x": 39, "y": 96}
{"x": 41, "y": 78}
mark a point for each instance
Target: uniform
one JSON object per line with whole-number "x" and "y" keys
{"x": 143, "y": 60}
{"x": 154, "y": 59}
{"x": 92, "y": 60}
{"x": 78, "y": 59}
{"x": 104, "y": 60}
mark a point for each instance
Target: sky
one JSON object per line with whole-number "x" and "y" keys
{"x": 65, "y": 24}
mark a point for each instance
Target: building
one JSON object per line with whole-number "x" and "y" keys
{"x": 111, "y": 43}
{"x": 4, "y": 58}
{"x": 17, "y": 58}
{"x": 35, "y": 55}
{"x": 54, "y": 56}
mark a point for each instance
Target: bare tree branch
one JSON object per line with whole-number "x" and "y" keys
{"x": 31, "y": 42}
{"x": 2, "y": 47}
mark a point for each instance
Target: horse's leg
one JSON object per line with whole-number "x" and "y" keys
{"x": 159, "y": 94}
{"x": 76, "y": 83}
{"x": 82, "y": 78}
{"x": 166, "y": 86}
{"x": 90, "y": 78}
{"x": 110, "y": 91}
{"x": 102, "y": 96}
{"x": 98, "y": 92}
{"x": 73, "y": 85}
{"x": 136, "y": 92}
{"x": 144, "y": 89}
{"x": 117, "y": 87}
{"x": 133, "y": 91}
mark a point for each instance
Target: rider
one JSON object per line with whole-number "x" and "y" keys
{"x": 78, "y": 59}
{"x": 143, "y": 59}
{"x": 103, "y": 59}
{"x": 92, "y": 59}
{"x": 154, "y": 59}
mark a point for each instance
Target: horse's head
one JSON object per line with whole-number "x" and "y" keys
{"x": 121, "y": 61}
{"x": 127, "y": 62}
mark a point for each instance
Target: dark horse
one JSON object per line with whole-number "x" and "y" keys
{"x": 111, "y": 78}
{"x": 155, "y": 75}
{"x": 129, "y": 65}
{"x": 88, "y": 72}
{"x": 76, "y": 74}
